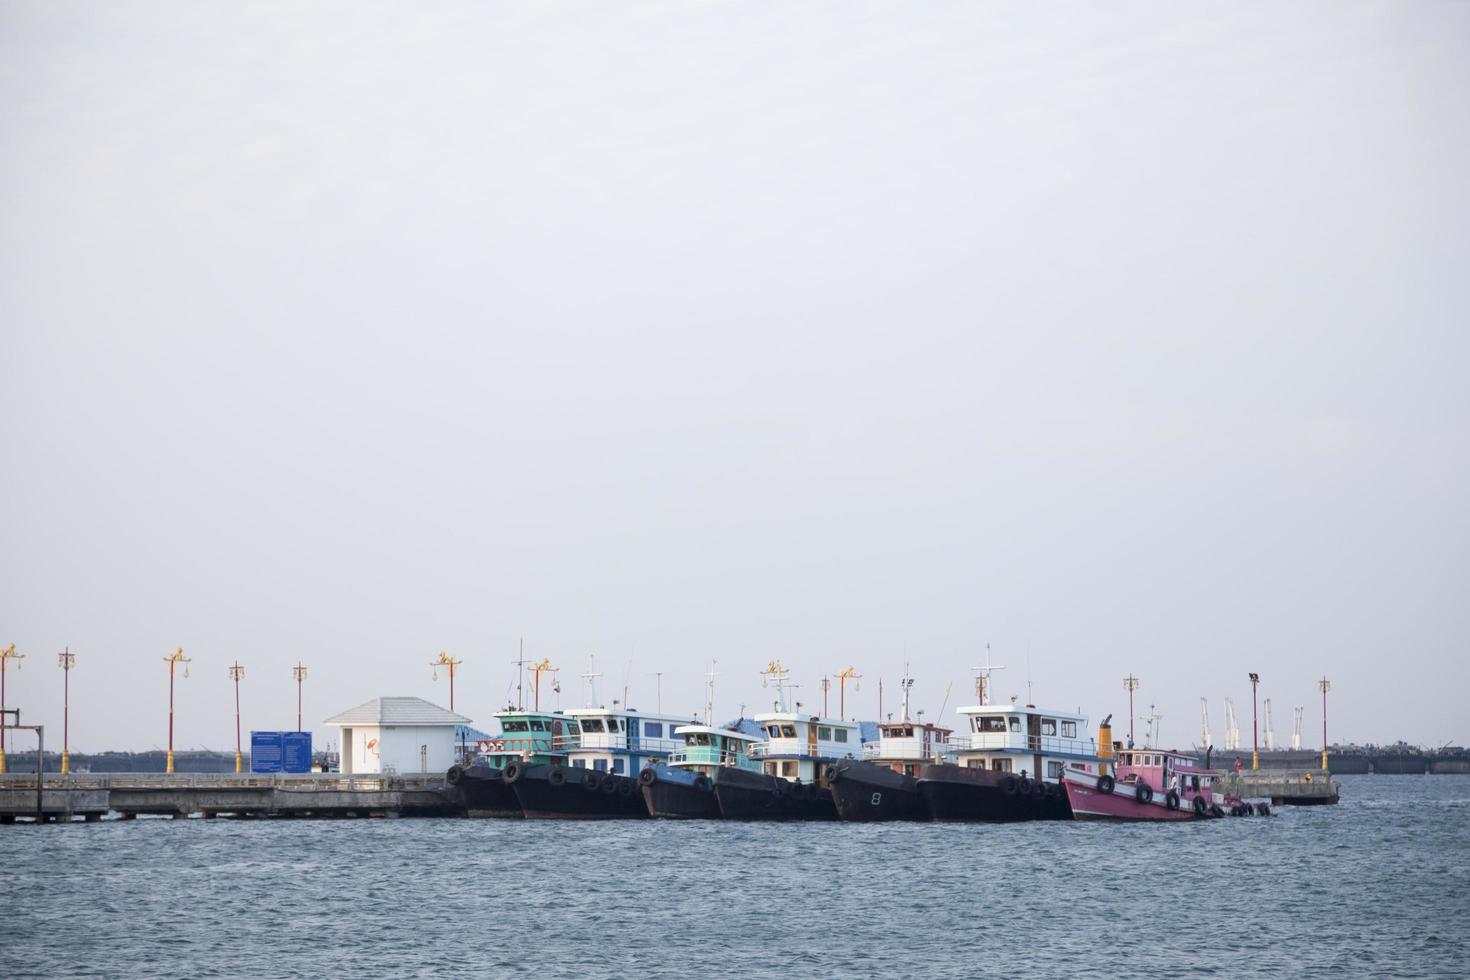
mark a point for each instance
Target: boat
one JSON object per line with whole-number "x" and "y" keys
{"x": 526, "y": 737}
{"x": 883, "y": 785}
{"x": 1008, "y": 762}
{"x": 791, "y": 784}
{"x": 598, "y": 776}
{"x": 1153, "y": 784}
{"x": 682, "y": 786}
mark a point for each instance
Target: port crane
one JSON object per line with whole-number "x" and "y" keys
{"x": 1270, "y": 729}
{"x": 1206, "y": 739}
{"x": 1296, "y": 730}
{"x": 1232, "y": 728}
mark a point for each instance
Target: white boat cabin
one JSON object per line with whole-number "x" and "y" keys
{"x": 797, "y": 746}
{"x": 904, "y": 746}
{"x": 621, "y": 740}
{"x": 1024, "y": 739}
{"x": 707, "y": 748}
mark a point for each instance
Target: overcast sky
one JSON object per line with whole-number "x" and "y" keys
{"x": 1126, "y": 338}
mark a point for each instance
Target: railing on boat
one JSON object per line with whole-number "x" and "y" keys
{"x": 1021, "y": 742}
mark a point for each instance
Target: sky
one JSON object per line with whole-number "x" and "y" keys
{"x": 1125, "y": 339}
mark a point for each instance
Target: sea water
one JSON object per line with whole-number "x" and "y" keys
{"x": 1376, "y": 886}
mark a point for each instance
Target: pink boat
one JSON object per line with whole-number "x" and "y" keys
{"x": 1151, "y": 784}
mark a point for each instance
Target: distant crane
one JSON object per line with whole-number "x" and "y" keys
{"x": 1270, "y": 729}
{"x": 1153, "y": 719}
{"x": 1232, "y": 728}
{"x": 1296, "y": 730}
{"x": 1205, "y": 738}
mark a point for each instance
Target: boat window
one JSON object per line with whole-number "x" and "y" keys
{"x": 537, "y": 725}
{"x": 1015, "y": 723}
{"x": 824, "y": 733}
{"x": 1000, "y": 765}
{"x": 592, "y": 725}
{"x": 771, "y": 769}
{"x": 1048, "y": 726}
{"x": 513, "y": 726}
{"x": 579, "y": 763}
{"x": 701, "y": 739}
{"x": 788, "y": 731}
{"x": 573, "y": 728}
{"x": 617, "y": 765}
{"x": 654, "y": 729}
{"x": 788, "y": 768}
{"x": 991, "y": 723}
{"x": 1054, "y": 770}
{"x": 615, "y": 724}
{"x": 839, "y": 735}
{"x": 600, "y": 765}
{"x": 1069, "y": 729}
{"x": 773, "y": 730}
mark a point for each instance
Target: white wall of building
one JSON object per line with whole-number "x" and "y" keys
{"x": 406, "y": 750}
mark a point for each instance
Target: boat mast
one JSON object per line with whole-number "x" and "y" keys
{"x": 591, "y": 677}
{"x": 907, "y": 683}
{"x": 777, "y": 673}
{"x": 982, "y": 678}
{"x": 709, "y": 693}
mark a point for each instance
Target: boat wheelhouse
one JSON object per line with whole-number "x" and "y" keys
{"x": 683, "y": 785}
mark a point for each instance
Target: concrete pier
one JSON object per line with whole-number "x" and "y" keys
{"x": 90, "y": 795}
{"x": 1284, "y": 787}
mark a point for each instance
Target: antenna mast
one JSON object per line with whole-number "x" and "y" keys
{"x": 982, "y": 678}
{"x": 778, "y": 674}
{"x": 907, "y": 684}
{"x": 709, "y": 693}
{"x": 1131, "y": 684}
{"x": 591, "y": 678}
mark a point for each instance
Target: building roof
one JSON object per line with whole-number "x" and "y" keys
{"x": 398, "y": 711}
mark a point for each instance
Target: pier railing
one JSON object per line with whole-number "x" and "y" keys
{"x": 315, "y": 782}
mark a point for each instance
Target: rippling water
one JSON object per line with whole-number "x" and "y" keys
{"x": 1378, "y": 885}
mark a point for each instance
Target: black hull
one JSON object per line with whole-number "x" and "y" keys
{"x": 952, "y": 793}
{"x": 680, "y": 802}
{"x": 864, "y": 792}
{"x": 745, "y": 795}
{"x": 561, "y": 793}
{"x": 485, "y": 793}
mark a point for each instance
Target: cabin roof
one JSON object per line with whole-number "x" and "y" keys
{"x": 398, "y": 711}
{"x": 712, "y": 730}
{"x": 1019, "y": 709}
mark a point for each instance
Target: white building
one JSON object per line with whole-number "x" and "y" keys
{"x": 397, "y": 735}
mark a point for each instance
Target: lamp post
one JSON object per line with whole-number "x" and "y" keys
{"x": 445, "y": 660}
{"x": 65, "y": 658}
{"x": 173, "y": 660}
{"x": 298, "y": 672}
{"x": 1255, "y": 730}
{"x": 1325, "y": 685}
{"x": 536, "y": 671}
{"x": 237, "y": 672}
{"x": 1131, "y": 683}
{"x": 849, "y": 674}
{"x": 6, "y": 655}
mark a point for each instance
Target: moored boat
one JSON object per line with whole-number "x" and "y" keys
{"x": 525, "y": 737}
{"x": 1153, "y": 784}
{"x": 791, "y": 783}
{"x": 884, "y": 784}
{"x": 683, "y": 785}
{"x": 1008, "y": 763}
{"x": 598, "y": 778}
